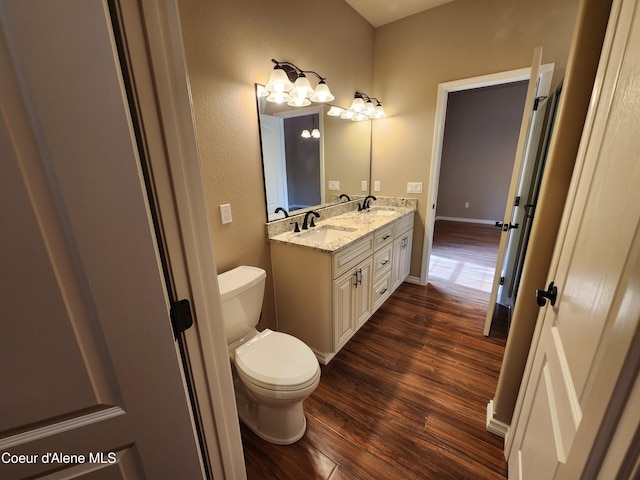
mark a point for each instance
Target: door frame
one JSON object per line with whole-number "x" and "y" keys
{"x": 444, "y": 89}
{"x": 185, "y": 200}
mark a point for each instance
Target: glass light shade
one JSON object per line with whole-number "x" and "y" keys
{"x": 322, "y": 93}
{"x": 347, "y": 115}
{"x": 278, "y": 97}
{"x": 369, "y": 109}
{"x": 302, "y": 88}
{"x": 278, "y": 81}
{"x": 261, "y": 91}
{"x": 379, "y": 113}
{"x": 315, "y": 133}
{"x": 357, "y": 105}
{"x": 335, "y": 111}
{"x": 305, "y": 134}
{"x": 298, "y": 102}
{"x": 359, "y": 117}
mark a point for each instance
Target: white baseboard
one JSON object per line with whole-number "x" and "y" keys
{"x": 495, "y": 426}
{"x": 467, "y": 220}
{"x": 414, "y": 280}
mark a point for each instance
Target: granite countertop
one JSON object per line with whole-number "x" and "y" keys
{"x": 345, "y": 229}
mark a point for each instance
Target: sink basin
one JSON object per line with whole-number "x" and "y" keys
{"x": 382, "y": 212}
{"x": 325, "y": 233}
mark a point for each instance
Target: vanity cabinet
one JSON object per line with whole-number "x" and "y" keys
{"x": 351, "y": 301}
{"x": 403, "y": 239}
{"x": 323, "y": 298}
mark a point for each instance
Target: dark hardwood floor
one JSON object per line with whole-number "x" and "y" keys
{"x": 406, "y": 397}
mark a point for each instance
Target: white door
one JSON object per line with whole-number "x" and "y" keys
{"x": 526, "y": 184}
{"x": 274, "y": 164}
{"x": 527, "y": 129}
{"x": 581, "y": 342}
{"x": 90, "y": 381}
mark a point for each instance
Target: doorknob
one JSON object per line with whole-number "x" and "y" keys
{"x": 550, "y": 294}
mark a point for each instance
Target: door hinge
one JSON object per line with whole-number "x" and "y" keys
{"x": 501, "y": 280}
{"x": 537, "y": 101}
{"x": 181, "y": 318}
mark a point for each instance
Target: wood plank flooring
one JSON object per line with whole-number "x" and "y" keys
{"x": 406, "y": 397}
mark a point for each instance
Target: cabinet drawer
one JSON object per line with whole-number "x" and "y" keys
{"x": 381, "y": 291}
{"x": 383, "y": 237}
{"x": 352, "y": 255}
{"x": 402, "y": 225}
{"x": 382, "y": 261}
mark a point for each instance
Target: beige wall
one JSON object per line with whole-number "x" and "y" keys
{"x": 229, "y": 46}
{"x": 461, "y": 39}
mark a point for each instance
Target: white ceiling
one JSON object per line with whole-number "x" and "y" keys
{"x": 379, "y": 12}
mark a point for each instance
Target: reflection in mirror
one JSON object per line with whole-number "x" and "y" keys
{"x": 308, "y": 172}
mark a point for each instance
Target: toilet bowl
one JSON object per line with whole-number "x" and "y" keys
{"x": 273, "y": 371}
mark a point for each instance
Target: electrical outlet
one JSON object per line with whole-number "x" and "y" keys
{"x": 466, "y": 204}
{"x": 414, "y": 187}
{"x": 225, "y": 213}
{"x": 376, "y": 186}
{"x": 364, "y": 186}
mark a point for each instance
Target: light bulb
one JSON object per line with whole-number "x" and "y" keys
{"x": 357, "y": 105}
{"x": 322, "y": 93}
{"x": 301, "y": 88}
{"x": 278, "y": 97}
{"x": 299, "y": 102}
{"x": 379, "y": 112}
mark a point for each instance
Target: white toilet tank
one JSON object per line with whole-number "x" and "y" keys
{"x": 241, "y": 291}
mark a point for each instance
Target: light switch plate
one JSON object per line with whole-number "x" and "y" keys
{"x": 364, "y": 186}
{"x": 334, "y": 185}
{"x": 376, "y": 186}
{"x": 414, "y": 187}
{"x": 225, "y": 213}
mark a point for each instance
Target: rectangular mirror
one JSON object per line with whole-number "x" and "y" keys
{"x": 309, "y": 172}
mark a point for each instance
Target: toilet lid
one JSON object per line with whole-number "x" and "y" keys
{"x": 277, "y": 361}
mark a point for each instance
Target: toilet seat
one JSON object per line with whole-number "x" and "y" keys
{"x": 277, "y": 361}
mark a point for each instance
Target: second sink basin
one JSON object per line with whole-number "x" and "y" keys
{"x": 383, "y": 212}
{"x": 326, "y": 233}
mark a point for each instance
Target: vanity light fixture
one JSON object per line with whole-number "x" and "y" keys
{"x": 363, "y": 108}
{"x": 288, "y": 83}
{"x": 335, "y": 111}
{"x": 314, "y": 133}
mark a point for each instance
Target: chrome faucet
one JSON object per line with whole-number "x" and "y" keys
{"x": 305, "y": 223}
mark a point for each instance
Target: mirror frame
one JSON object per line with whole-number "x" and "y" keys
{"x": 328, "y": 198}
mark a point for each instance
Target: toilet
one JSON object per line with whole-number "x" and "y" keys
{"x": 273, "y": 371}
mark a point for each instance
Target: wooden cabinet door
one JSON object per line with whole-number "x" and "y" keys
{"x": 362, "y": 293}
{"x": 343, "y": 309}
{"x": 401, "y": 258}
